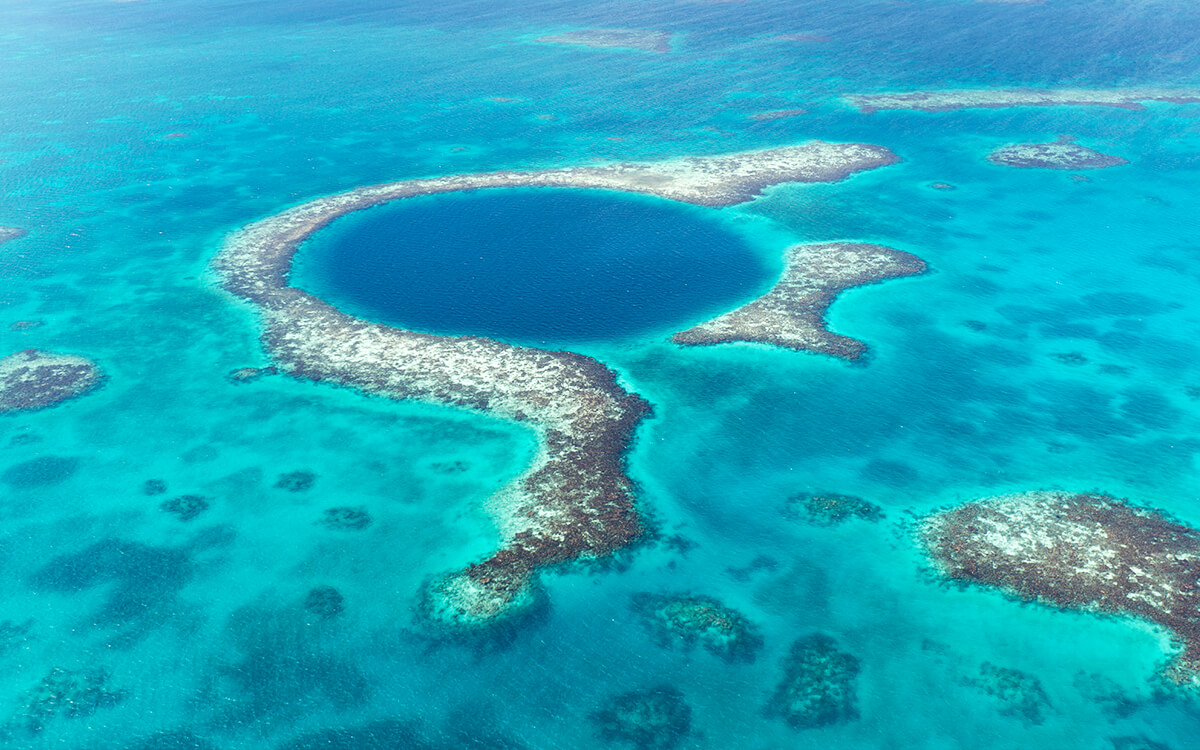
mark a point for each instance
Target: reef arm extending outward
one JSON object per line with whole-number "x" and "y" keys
{"x": 942, "y": 101}
{"x": 576, "y": 499}
{"x": 792, "y": 313}
{"x": 1080, "y": 552}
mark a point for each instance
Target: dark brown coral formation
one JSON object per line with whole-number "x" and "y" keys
{"x": 1063, "y": 153}
{"x": 1082, "y": 552}
{"x": 831, "y": 509}
{"x": 33, "y": 379}
{"x": 792, "y": 314}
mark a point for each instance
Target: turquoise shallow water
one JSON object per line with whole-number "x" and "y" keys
{"x": 1052, "y": 346}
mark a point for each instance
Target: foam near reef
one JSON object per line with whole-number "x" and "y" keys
{"x": 941, "y": 101}
{"x": 792, "y": 313}
{"x": 1079, "y": 551}
{"x": 575, "y": 500}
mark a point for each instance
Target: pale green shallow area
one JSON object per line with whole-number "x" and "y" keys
{"x": 279, "y": 109}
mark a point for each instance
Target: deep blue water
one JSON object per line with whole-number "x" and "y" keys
{"x": 1053, "y": 346}
{"x": 534, "y": 265}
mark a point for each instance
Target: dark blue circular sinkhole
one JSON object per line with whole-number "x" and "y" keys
{"x": 532, "y": 265}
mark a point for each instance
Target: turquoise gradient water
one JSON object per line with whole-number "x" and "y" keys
{"x": 137, "y": 135}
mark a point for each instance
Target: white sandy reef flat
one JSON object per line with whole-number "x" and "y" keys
{"x": 576, "y": 499}
{"x": 941, "y": 101}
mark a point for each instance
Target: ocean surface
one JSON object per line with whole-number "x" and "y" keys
{"x": 1052, "y": 346}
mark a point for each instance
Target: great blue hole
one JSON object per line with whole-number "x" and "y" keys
{"x": 533, "y": 266}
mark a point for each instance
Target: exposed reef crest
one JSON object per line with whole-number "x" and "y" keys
{"x": 942, "y": 101}
{"x": 576, "y": 499}
{"x": 792, "y": 313}
{"x": 1081, "y": 552}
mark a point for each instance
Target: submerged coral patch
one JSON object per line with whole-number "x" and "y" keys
{"x": 11, "y": 233}
{"x": 38, "y": 472}
{"x": 325, "y": 602}
{"x": 1019, "y": 694}
{"x": 346, "y": 518}
{"x": 33, "y": 379}
{"x": 819, "y": 685}
{"x": 654, "y": 719}
{"x": 693, "y": 620}
{"x": 628, "y": 39}
{"x": 830, "y": 509}
{"x": 70, "y": 694}
{"x": 185, "y": 507}
{"x": 1063, "y": 153}
{"x": 296, "y": 481}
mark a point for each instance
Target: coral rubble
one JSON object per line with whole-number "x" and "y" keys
{"x": 792, "y": 313}
{"x": 33, "y": 379}
{"x": 1086, "y": 552}
{"x": 653, "y": 719}
{"x": 701, "y": 620}
{"x": 819, "y": 685}
{"x": 575, "y": 500}
{"x": 1063, "y": 153}
{"x": 940, "y": 101}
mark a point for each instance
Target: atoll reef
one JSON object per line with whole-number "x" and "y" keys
{"x": 632, "y": 39}
{"x": 819, "y": 685}
{"x": 66, "y": 693}
{"x": 33, "y": 379}
{"x": 346, "y": 519}
{"x": 1085, "y": 552}
{"x": 575, "y": 500}
{"x": 10, "y": 233}
{"x": 942, "y": 101}
{"x": 830, "y": 509}
{"x": 792, "y": 313}
{"x": 654, "y": 719}
{"x": 1063, "y": 153}
{"x": 692, "y": 620}
{"x": 185, "y": 507}
{"x": 1019, "y": 694}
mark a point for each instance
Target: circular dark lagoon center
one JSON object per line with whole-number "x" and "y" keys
{"x": 533, "y": 265}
